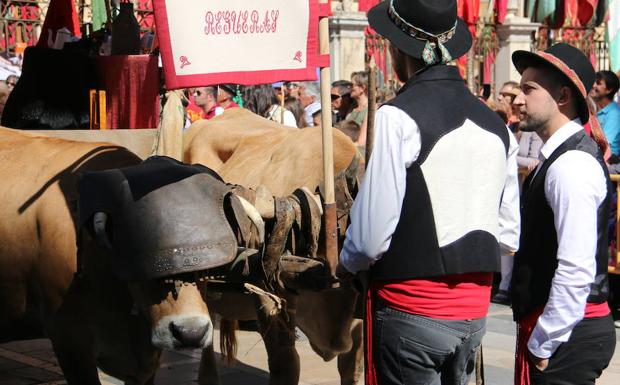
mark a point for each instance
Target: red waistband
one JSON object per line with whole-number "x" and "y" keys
{"x": 525, "y": 328}
{"x": 453, "y": 297}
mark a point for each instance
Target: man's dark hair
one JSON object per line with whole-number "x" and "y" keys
{"x": 611, "y": 82}
{"x": 344, "y": 86}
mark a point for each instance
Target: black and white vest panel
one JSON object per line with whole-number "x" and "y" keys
{"x": 449, "y": 222}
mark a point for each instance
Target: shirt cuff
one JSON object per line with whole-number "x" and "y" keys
{"x": 352, "y": 261}
{"x": 541, "y": 346}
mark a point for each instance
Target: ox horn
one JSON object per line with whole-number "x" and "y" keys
{"x": 99, "y": 222}
{"x": 254, "y": 216}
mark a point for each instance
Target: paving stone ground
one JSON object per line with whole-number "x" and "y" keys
{"x": 33, "y": 362}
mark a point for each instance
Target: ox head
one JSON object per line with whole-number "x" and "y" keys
{"x": 161, "y": 225}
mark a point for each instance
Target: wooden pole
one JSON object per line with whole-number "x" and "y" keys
{"x": 282, "y": 103}
{"x": 331, "y": 240}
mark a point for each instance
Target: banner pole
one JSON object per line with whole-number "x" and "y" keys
{"x": 331, "y": 240}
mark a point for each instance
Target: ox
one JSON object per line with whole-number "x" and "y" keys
{"x": 103, "y": 321}
{"x": 251, "y": 151}
{"x": 93, "y": 319}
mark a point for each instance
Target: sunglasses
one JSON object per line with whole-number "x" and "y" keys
{"x": 336, "y": 96}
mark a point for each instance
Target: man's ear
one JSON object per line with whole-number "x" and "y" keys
{"x": 565, "y": 95}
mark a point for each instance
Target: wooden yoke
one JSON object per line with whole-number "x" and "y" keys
{"x": 329, "y": 209}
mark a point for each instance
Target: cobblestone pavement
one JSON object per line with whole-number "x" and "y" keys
{"x": 33, "y": 362}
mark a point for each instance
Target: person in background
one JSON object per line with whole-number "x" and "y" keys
{"x": 225, "y": 95}
{"x": 262, "y": 101}
{"x": 603, "y": 92}
{"x": 291, "y": 89}
{"x": 359, "y": 93}
{"x": 310, "y": 99}
{"x": 500, "y": 109}
{"x": 206, "y": 99}
{"x": 342, "y": 103}
{"x": 294, "y": 105}
{"x": 11, "y": 81}
{"x": 506, "y": 96}
{"x": 559, "y": 282}
{"x": 4, "y": 95}
{"x": 529, "y": 149}
{"x": 316, "y": 118}
{"x": 351, "y": 129}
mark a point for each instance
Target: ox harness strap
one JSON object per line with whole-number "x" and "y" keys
{"x": 172, "y": 221}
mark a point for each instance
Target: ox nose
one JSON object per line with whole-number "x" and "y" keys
{"x": 190, "y": 334}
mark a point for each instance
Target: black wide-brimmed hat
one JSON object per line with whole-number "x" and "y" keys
{"x": 420, "y": 28}
{"x": 568, "y": 61}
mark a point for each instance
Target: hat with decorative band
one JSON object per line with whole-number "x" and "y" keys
{"x": 424, "y": 29}
{"x": 568, "y": 61}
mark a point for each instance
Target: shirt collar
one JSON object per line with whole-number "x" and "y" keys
{"x": 559, "y": 137}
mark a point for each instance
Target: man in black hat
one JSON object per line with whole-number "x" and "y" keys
{"x": 438, "y": 202}
{"x": 559, "y": 283}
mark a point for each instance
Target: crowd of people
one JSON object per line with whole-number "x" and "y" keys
{"x": 293, "y": 104}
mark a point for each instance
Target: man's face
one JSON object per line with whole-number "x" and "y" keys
{"x": 536, "y": 105}
{"x": 304, "y": 98}
{"x": 504, "y": 96}
{"x": 599, "y": 90}
{"x": 336, "y": 99}
{"x": 10, "y": 82}
{"x": 203, "y": 99}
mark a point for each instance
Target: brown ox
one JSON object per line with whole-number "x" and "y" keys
{"x": 251, "y": 151}
{"x": 96, "y": 320}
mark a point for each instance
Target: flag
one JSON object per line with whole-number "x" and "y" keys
{"x": 100, "y": 17}
{"x": 613, "y": 34}
{"x": 60, "y": 13}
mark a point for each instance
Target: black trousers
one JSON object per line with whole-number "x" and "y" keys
{"x": 581, "y": 359}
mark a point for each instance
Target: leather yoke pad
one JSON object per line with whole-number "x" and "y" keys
{"x": 171, "y": 222}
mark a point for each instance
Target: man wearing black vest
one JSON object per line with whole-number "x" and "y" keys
{"x": 438, "y": 203}
{"x": 559, "y": 283}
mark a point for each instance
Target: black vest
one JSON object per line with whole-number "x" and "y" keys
{"x": 536, "y": 261}
{"x": 440, "y": 103}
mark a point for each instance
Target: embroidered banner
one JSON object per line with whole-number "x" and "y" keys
{"x": 206, "y": 42}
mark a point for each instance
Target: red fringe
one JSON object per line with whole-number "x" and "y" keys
{"x": 524, "y": 331}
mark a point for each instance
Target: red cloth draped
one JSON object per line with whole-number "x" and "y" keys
{"x": 468, "y": 10}
{"x": 365, "y": 5}
{"x": 501, "y": 7}
{"x": 578, "y": 13}
{"x": 132, "y": 90}
{"x": 60, "y": 13}
{"x": 586, "y": 11}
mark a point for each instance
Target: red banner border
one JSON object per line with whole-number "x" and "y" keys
{"x": 174, "y": 81}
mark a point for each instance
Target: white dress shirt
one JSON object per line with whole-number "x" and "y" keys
{"x": 575, "y": 186}
{"x": 376, "y": 210}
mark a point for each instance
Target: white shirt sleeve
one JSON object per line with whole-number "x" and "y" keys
{"x": 509, "y": 210}
{"x": 575, "y": 186}
{"x": 376, "y": 210}
{"x": 289, "y": 119}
